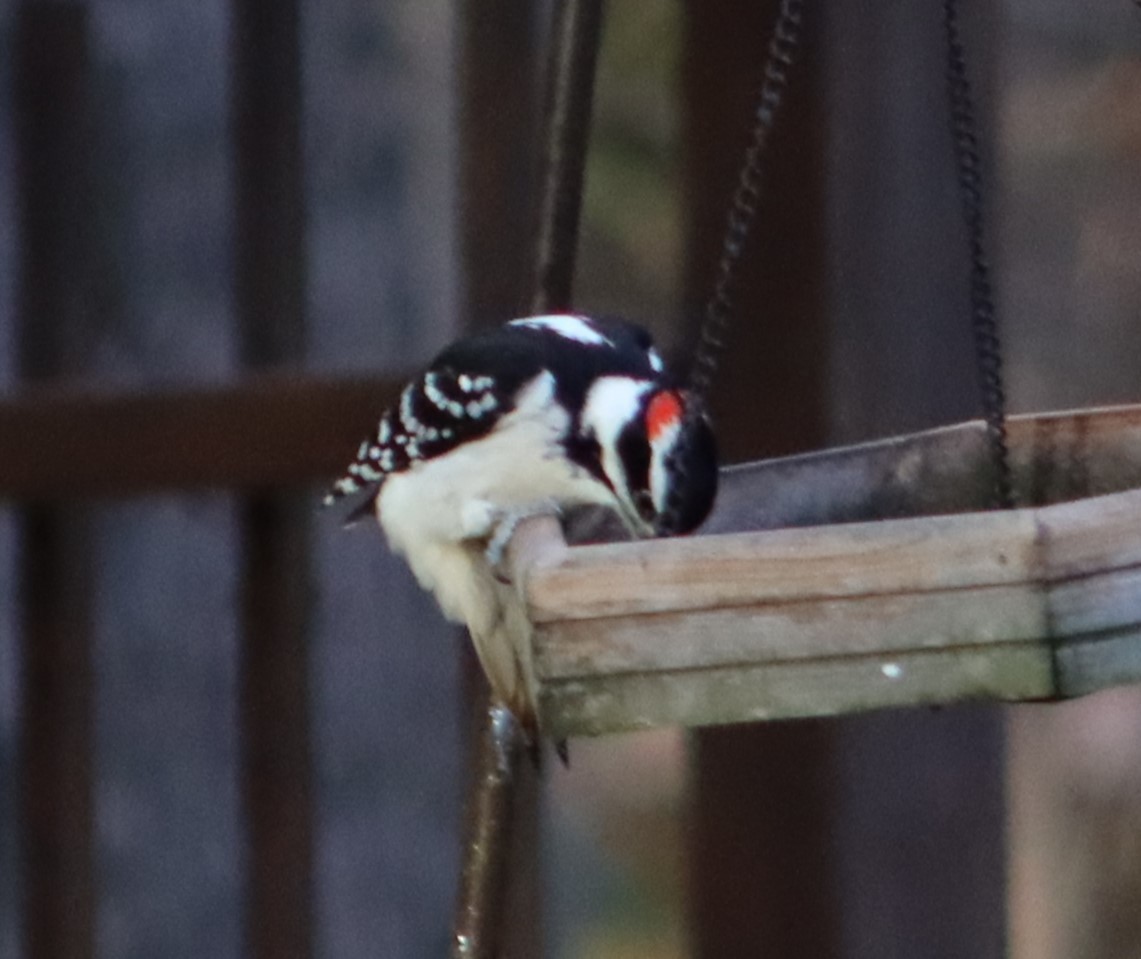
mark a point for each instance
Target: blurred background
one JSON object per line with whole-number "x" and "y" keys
{"x": 415, "y": 130}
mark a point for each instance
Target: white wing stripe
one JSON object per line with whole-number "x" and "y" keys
{"x": 568, "y": 326}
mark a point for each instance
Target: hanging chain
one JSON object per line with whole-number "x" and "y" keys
{"x": 983, "y": 323}
{"x": 782, "y": 50}
{"x": 743, "y": 208}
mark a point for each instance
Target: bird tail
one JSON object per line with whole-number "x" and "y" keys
{"x": 360, "y": 475}
{"x": 501, "y": 634}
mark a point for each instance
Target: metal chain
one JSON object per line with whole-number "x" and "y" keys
{"x": 983, "y": 323}
{"x": 782, "y": 50}
{"x": 743, "y": 208}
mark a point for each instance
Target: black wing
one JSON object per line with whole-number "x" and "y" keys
{"x": 473, "y": 383}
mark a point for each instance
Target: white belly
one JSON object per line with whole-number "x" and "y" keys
{"x": 459, "y": 496}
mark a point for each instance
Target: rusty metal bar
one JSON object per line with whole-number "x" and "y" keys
{"x": 55, "y": 561}
{"x": 503, "y": 792}
{"x": 493, "y": 808}
{"x": 270, "y": 293}
{"x": 576, "y": 35}
{"x": 499, "y": 112}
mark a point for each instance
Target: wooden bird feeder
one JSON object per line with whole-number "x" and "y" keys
{"x": 855, "y": 579}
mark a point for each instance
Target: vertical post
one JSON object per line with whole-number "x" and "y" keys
{"x": 269, "y": 244}
{"x": 497, "y": 910}
{"x": 498, "y": 118}
{"x": 270, "y": 299}
{"x": 52, "y": 134}
{"x": 896, "y": 255}
{"x": 795, "y": 820}
{"x": 498, "y": 903}
{"x": 760, "y": 880}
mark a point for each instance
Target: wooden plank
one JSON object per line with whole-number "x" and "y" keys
{"x": 1093, "y": 604}
{"x": 818, "y": 687}
{"x": 1093, "y": 559}
{"x": 1054, "y": 457}
{"x": 1058, "y": 587}
{"x": 272, "y": 429}
{"x": 301, "y": 428}
{"x": 1091, "y": 535}
{"x": 1069, "y": 455}
{"x": 774, "y": 633}
{"x": 914, "y": 555}
{"x": 1086, "y": 664}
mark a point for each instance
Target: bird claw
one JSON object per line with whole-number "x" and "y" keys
{"x": 496, "y": 550}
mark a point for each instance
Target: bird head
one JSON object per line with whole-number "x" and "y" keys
{"x": 655, "y": 452}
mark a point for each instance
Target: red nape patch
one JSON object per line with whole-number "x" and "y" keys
{"x": 663, "y": 413}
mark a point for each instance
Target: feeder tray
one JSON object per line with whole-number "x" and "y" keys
{"x": 795, "y": 603}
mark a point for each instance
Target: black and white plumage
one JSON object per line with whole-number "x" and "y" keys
{"x": 541, "y": 415}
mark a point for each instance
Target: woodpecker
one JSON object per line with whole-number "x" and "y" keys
{"x": 541, "y": 415}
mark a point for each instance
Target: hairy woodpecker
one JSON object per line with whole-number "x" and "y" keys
{"x": 538, "y": 416}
